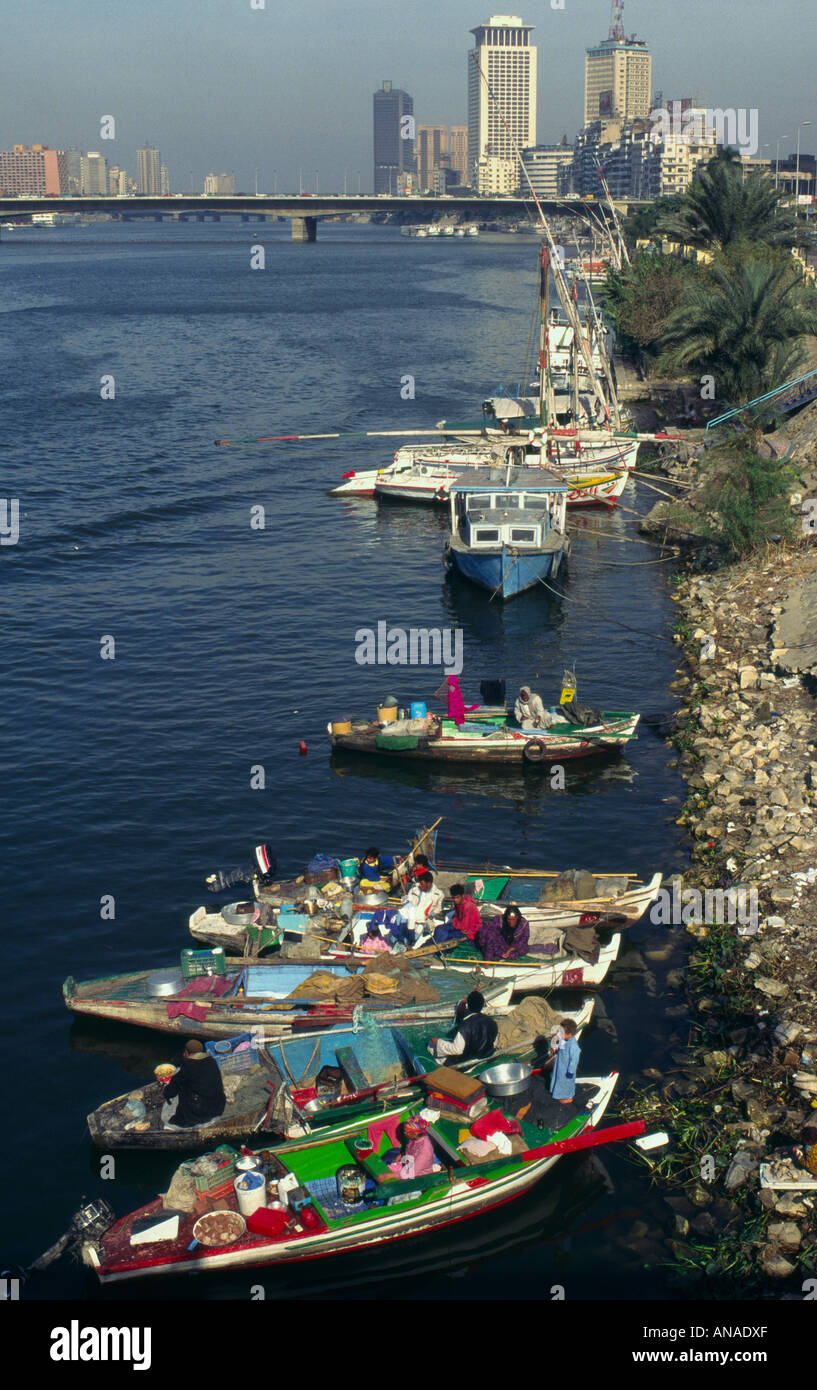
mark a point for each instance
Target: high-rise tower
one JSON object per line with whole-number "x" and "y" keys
{"x": 149, "y": 171}
{"x": 507, "y": 62}
{"x": 393, "y": 138}
{"x": 618, "y": 75}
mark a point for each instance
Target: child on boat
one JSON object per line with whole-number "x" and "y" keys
{"x": 566, "y": 1062}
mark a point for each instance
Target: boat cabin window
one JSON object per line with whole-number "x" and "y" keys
{"x": 524, "y": 533}
{"x": 478, "y": 501}
{"x": 486, "y": 533}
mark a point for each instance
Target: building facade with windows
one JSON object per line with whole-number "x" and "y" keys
{"x": 618, "y": 80}
{"x": 33, "y": 171}
{"x": 504, "y": 57}
{"x": 394, "y": 139}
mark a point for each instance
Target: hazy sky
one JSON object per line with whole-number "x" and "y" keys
{"x": 219, "y": 85}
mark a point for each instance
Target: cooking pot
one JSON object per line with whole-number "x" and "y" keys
{"x": 373, "y": 899}
{"x": 161, "y": 984}
{"x": 507, "y": 1079}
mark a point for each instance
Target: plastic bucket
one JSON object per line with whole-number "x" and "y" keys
{"x": 386, "y": 714}
{"x": 341, "y": 726}
{"x": 418, "y": 709}
{"x": 348, "y": 868}
{"x": 251, "y": 1192}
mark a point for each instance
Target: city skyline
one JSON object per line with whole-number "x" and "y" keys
{"x": 218, "y": 91}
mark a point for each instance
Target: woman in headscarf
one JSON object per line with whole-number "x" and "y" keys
{"x": 505, "y": 937}
{"x": 416, "y": 1153}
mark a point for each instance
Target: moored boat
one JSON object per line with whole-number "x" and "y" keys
{"x": 508, "y": 528}
{"x": 278, "y": 1090}
{"x": 475, "y": 742}
{"x": 285, "y": 997}
{"x": 320, "y": 1218}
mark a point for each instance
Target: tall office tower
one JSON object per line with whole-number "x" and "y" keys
{"x": 617, "y": 75}
{"x": 431, "y": 144}
{"x": 93, "y": 175}
{"x": 148, "y": 171}
{"x": 507, "y": 62}
{"x": 164, "y": 181}
{"x": 73, "y": 167}
{"x": 33, "y": 170}
{"x": 458, "y": 151}
{"x": 393, "y": 138}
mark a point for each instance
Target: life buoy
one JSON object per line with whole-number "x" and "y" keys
{"x": 535, "y": 750}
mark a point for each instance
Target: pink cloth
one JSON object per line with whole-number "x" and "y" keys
{"x": 388, "y": 1126}
{"x": 417, "y": 1160}
{"x": 371, "y": 944}
{"x": 194, "y": 1011}
{"x": 205, "y": 984}
{"x": 456, "y": 704}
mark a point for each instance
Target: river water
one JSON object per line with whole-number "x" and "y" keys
{"x": 130, "y": 777}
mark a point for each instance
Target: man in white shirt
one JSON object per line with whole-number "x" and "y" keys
{"x": 421, "y": 905}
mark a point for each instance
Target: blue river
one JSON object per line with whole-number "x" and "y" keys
{"x": 157, "y": 647}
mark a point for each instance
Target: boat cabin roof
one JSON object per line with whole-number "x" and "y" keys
{"x": 518, "y": 478}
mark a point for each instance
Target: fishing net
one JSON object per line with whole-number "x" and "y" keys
{"x": 532, "y": 1019}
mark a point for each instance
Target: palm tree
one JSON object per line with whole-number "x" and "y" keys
{"x": 742, "y": 325}
{"x": 721, "y": 209}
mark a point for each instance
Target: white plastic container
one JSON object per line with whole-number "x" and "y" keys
{"x": 251, "y": 1192}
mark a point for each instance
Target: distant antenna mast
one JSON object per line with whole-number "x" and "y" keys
{"x": 617, "y": 20}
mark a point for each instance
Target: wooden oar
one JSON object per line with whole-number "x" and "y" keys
{"x": 589, "y": 1139}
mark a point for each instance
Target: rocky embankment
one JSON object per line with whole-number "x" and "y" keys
{"x": 745, "y": 1094}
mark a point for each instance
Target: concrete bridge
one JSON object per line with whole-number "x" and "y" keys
{"x": 305, "y": 210}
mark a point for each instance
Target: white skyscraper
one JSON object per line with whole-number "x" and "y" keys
{"x": 507, "y": 60}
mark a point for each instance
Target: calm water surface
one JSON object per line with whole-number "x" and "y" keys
{"x": 131, "y": 777}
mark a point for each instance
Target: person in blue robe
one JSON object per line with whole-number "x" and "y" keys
{"x": 565, "y": 1065}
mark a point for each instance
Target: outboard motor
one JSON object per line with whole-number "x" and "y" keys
{"x": 87, "y": 1225}
{"x": 264, "y": 867}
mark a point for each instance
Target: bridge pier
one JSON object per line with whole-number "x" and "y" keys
{"x": 304, "y": 229}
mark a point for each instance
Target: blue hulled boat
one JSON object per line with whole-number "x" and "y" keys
{"x": 508, "y": 527}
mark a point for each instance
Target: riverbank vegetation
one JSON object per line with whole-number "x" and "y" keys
{"x": 716, "y": 293}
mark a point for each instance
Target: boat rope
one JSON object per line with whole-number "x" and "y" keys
{"x": 656, "y": 636}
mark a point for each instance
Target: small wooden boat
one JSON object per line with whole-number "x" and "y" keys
{"x": 319, "y": 1224}
{"x": 478, "y": 742}
{"x": 564, "y": 969}
{"x": 277, "y": 1091}
{"x": 249, "y": 995}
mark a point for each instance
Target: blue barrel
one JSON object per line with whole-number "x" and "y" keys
{"x": 418, "y": 710}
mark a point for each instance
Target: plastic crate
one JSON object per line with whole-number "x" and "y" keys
{"x": 234, "y": 1060}
{"x": 209, "y": 962}
{"x": 222, "y": 1178}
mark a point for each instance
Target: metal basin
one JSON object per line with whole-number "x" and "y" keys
{"x": 376, "y": 899}
{"x": 163, "y": 983}
{"x": 507, "y": 1079}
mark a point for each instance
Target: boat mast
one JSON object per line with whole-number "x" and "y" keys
{"x": 547, "y": 404}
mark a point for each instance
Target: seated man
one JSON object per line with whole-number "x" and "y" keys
{"x": 198, "y": 1087}
{"x": 419, "y": 907}
{"x": 475, "y": 1036}
{"x": 530, "y": 713}
{"x": 464, "y": 920}
{"x": 505, "y": 937}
